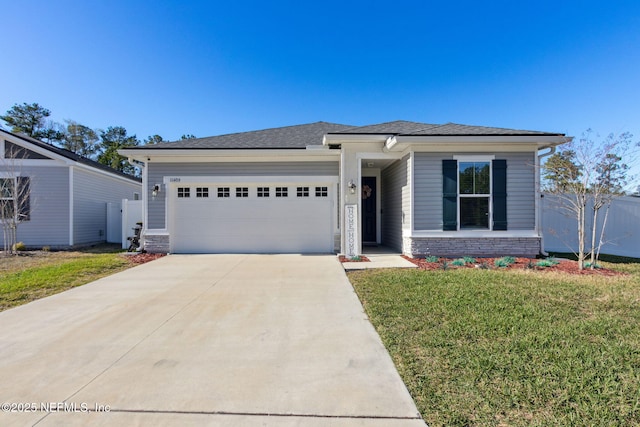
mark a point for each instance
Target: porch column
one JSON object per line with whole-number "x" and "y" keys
{"x": 350, "y": 229}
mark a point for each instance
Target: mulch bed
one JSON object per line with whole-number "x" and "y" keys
{"x": 141, "y": 258}
{"x": 363, "y": 258}
{"x": 564, "y": 266}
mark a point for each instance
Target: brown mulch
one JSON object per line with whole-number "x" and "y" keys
{"x": 564, "y": 266}
{"x": 363, "y": 258}
{"x": 141, "y": 258}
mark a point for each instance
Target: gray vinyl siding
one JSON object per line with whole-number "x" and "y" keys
{"x": 407, "y": 198}
{"x": 91, "y": 193}
{"x": 520, "y": 190}
{"x": 49, "y": 200}
{"x": 427, "y": 204}
{"x": 395, "y": 203}
{"x": 157, "y": 172}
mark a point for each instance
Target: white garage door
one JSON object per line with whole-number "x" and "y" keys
{"x": 252, "y": 218}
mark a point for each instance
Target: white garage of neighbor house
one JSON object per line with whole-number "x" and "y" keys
{"x": 67, "y": 195}
{"x": 323, "y": 187}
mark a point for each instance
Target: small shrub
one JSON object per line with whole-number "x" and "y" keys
{"x": 444, "y": 265}
{"x": 547, "y": 262}
{"x": 501, "y": 263}
{"x": 355, "y": 258}
{"x": 431, "y": 258}
{"x": 530, "y": 265}
{"x": 505, "y": 261}
{"x": 469, "y": 260}
{"x": 544, "y": 263}
{"x": 553, "y": 261}
{"x": 20, "y": 246}
{"x": 46, "y": 249}
{"x": 483, "y": 266}
{"x": 458, "y": 262}
{"x": 595, "y": 265}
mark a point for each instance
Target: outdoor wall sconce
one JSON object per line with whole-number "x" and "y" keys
{"x": 352, "y": 187}
{"x": 155, "y": 191}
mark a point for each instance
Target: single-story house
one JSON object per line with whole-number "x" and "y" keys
{"x": 65, "y": 195}
{"x": 323, "y": 187}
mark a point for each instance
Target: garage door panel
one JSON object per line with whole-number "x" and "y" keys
{"x": 252, "y": 224}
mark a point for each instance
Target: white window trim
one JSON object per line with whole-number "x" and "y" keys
{"x": 475, "y": 159}
{"x": 16, "y": 198}
{"x": 13, "y": 197}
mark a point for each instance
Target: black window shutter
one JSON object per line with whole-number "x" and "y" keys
{"x": 499, "y": 194}
{"x": 24, "y": 198}
{"x": 449, "y": 195}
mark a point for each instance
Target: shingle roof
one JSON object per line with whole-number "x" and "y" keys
{"x": 300, "y": 136}
{"x": 70, "y": 155}
{"x": 397, "y": 127}
{"x": 466, "y": 130}
{"x": 401, "y": 127}
{"x": 284, "y": 137}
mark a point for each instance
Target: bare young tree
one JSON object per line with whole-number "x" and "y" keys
{"x": 15, "y": 195}
{"x": 584, "y": 176}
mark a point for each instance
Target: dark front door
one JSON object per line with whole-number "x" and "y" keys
{"x": 369, "y": 195}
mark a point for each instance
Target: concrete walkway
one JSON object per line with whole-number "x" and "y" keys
{"x": 379, "y": 257}
{"x": 218, "y": 340}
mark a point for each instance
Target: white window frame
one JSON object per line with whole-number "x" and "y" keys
{"x": 302, "y": 191}
{"x": 242, "y": 192}
{"x": 475, "y": 159}
{"x": 321, "y": 191}
{"x": 184, "y": 194}
{"x": 282, "y": 192}
{"x": 13, "y": 197}
{"x": 202, "y": 192}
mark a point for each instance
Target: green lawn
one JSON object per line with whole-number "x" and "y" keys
{"x": 511, "y": 348}
{"x": 29, "y": 276}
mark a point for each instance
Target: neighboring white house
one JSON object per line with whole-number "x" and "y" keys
{"x": 68, "y": 194}
{"x": 323, "y": 187}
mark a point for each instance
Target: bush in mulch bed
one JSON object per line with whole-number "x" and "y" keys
{"x": 360, "y": 258}
{"x": 141, "y": 258}
{"x": 564, "y": 266}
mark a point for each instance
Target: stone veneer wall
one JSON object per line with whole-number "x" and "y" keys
{"x": 156, "y": 243}
{"x": 478, "y": 247}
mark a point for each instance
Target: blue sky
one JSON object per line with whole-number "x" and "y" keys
{"x": 214, "y": 67}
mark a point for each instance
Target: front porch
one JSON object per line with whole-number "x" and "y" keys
{"x": 372, "y": 203}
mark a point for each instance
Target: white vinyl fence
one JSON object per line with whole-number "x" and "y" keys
{"x": 622, "y": 232}
{"x": 131, "y": 214}
{"x": 121, "y": 220}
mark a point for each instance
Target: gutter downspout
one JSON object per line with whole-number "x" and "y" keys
{"x": 551, "y": 151}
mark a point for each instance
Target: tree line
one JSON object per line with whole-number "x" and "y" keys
{"x": 95, "y": 144}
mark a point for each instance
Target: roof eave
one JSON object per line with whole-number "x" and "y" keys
{"x": 201, "y": 154}
{"x": 340, "y": 138}
{"x": 400, "y": 142}
{"x": 68, "y": 158}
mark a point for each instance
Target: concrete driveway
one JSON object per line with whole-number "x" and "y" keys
{"x": 219, "y": 340}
